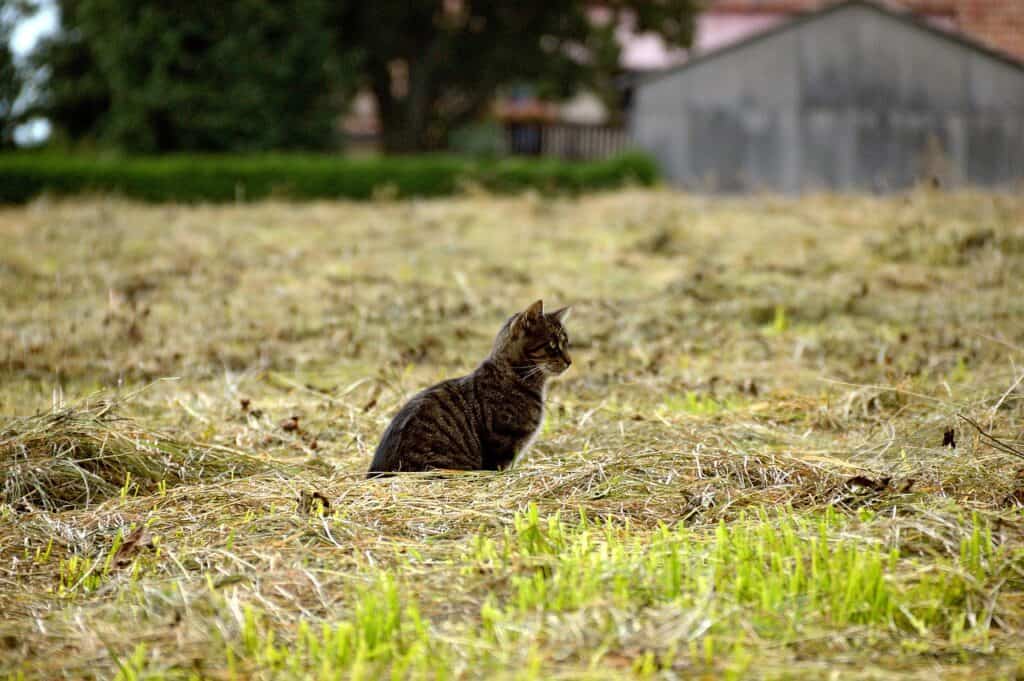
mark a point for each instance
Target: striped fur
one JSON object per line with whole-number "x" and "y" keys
{"x": 483, "y": 420}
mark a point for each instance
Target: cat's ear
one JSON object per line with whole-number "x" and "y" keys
{"x": 561, "y": 315}
{"x": 534, "y": 313}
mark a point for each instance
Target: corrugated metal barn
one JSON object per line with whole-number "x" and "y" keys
{"x": 852, "y": 97}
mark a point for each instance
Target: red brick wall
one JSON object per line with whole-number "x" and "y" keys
{"x": 999, "y": 23}
{"x": 787, "y": 6}
{"x": 996, "y": 23}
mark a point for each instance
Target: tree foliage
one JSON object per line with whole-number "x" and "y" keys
{"x": 149, "y": 76}
{"x": 11, "y": 79}
{"x": 435, "y": 65}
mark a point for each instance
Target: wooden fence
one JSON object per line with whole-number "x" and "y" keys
{"x": 571, "y": 142}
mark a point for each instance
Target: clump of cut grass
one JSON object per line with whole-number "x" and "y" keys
{"x": 77, "y": 456}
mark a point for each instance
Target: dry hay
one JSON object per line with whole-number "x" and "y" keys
{"x": 738, "y": 366}
{"x": 77, "y": 456}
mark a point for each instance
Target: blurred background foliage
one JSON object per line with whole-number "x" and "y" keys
{"x": 11, "y": 77}
{"x": 144, "y": 76}
{"x": 152, "y": 77}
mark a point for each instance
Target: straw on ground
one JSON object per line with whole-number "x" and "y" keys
{"x": 757, "y": 466}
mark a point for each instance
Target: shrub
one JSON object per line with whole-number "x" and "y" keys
{"x": 232, "y": 178}
{"x": 479, "y": 140}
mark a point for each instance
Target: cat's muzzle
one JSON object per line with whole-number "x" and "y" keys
{"x": 557, "y": 367}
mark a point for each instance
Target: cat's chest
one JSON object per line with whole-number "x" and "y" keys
{"x": 532, "y": 437}
{"x": 526, "y": 415}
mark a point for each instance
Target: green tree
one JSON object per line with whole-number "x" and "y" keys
{"x": 10, "y": 75}
{"x": 154, "y": 76}
{"x": 75, "y": 95}
{"x": 150, "y": 75}
{"x": 436, "y": 65}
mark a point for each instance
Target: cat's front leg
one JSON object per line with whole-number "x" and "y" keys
{"x": 498, "y": 454}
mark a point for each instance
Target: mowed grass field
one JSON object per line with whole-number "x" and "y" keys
{"x": 758, "y": 466}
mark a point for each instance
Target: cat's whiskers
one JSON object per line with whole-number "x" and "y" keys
{"x": 531, "y": 365}
{"x": 532, "y": 369}
{"x": 535, "y": 371}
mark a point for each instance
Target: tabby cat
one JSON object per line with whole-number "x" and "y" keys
{"x": 483, "y": 420}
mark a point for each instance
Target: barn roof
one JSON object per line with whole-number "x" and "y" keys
{"x": 906, "y": 17}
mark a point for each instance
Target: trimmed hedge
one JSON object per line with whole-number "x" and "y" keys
{"x": 232, "y": 178}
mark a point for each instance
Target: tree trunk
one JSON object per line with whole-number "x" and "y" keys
{"x": 389, "y": 111}
{"x": 406, "y": 121}
{"x": 414, "y": 123}
{"x": 401, "y": 130}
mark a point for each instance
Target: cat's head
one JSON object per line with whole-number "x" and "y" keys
{"x": 536, "y": 340}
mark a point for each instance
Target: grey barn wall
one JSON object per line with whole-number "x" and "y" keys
{"x": 853, "y": 99}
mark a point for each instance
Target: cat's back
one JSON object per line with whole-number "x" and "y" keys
{"x": 436, "y": 428}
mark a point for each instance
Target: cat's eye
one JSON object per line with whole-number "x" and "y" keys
{"x": 553, "y": 345}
